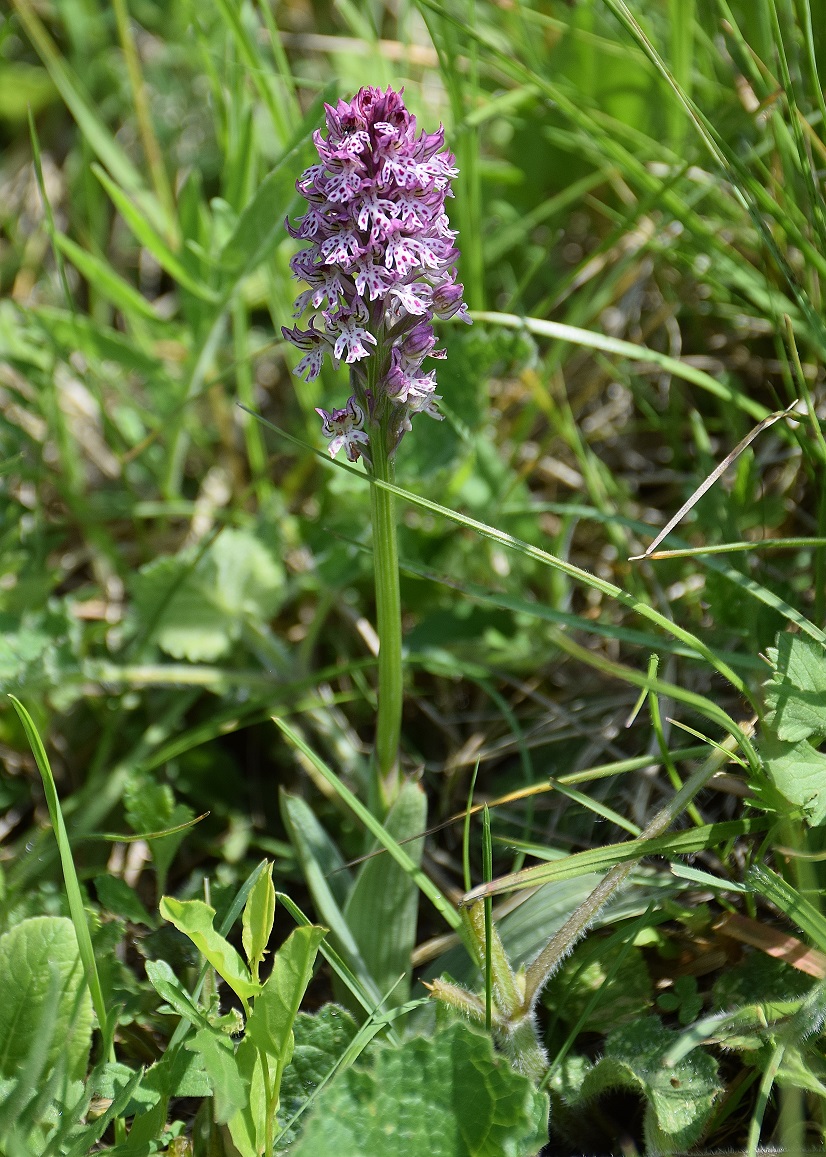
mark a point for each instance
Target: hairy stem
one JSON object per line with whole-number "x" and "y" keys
{"x": 558, "y": 947}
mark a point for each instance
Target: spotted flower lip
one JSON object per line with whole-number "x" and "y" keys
{"x": 345, "y": 428}
{"x": 379, "y": 263}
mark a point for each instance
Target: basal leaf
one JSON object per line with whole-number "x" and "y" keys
{"x": 382, "y": 908}
{"x": 118, "y": 898}
{"x": 445, "y": 1096}
{"x": 194, "y": 918}
{"x": 29, "y": 955}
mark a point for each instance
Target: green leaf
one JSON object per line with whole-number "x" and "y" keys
{"x": 320, "y": 1041}
{"x": 261, "y": 225}
{"x": 194, "y": 918}
{"x": 196, "y": 607}
{"x": 324, "y": 871}
{"x": 258, "y": 918}
{"x": 118, "y": 898}
{"x": 167, "y": 985}
{"x": 679, "y": 1099}
{"x": 247, "y": 1126}
{"x": 798, "y": 772}
{"x": 796, "y": 694}
{"x": 29, "y": 954}
{"x": 382, "y": 908}
{"x": 445, "y": 1096}
{"x": 228, "y": 1086}
{"x": 151, "y": 807}
{"x": 271, "y": 1022}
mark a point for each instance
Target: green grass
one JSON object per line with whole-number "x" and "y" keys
{"x": 643, "y": 228}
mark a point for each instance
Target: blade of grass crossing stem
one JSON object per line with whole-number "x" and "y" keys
{"x": 543, "y": 557}
{"x": 599, "y": 809}
{"x": 338, "y": 965}
{"x": 601, "y": 859}
{"x": 487, "y": 874}
{"x": 73, "y": 894}
{"x": 382, "y": 907}
{"x": 466, "y": 829}
{"x": 322, "y": 865}
{"x": 439, "y": 902}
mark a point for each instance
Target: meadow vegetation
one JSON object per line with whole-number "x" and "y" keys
{"x": 215, "y": 932}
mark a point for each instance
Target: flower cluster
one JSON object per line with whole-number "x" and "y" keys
{"x": 379, "y": 266}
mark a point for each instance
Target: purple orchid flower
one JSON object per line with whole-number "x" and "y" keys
{"x": 380, "y": 265}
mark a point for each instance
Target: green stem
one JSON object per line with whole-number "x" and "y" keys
{"x": 386, "y": 781}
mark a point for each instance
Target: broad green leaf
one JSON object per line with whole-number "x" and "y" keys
{"x": 28, "y": 955}
{"x": 679, "y": 1099}
{"x": 796, "y": 693}
{"x": 217, "y": 1052}
{"x": 194, "y": 918}
{"x": 758, "y": 977}
{"x": 444, "y": 1096}
{"x": 323, "y": 870}
{"x": 320, "y": 1042}
{"x": 374, "y": 826}
{"x": 271, "y": 1022}
{"x": 798, "y": 771}
{"x": 196, "y": 607}
{"x": 258, "y": 918}
{"x": 261, "y": 224}
{"x": 382, "y": 908}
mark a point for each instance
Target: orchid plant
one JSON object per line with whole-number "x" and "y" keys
{"x": 380, "y": 266}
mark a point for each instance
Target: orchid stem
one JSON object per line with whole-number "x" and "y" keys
{"x": 386, "y": 777}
